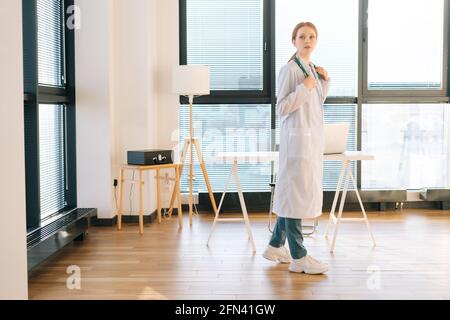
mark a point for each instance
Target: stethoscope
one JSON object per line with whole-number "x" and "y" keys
{"x": 306, "y": 73}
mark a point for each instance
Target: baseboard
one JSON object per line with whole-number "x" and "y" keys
{"x": 373, "y": 200}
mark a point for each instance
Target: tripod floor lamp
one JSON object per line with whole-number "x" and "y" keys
{"x": 190, "y": 81}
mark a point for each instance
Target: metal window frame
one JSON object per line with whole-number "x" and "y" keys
{"x": 233, "y": 96}
{"x": 402, "y": 96}
{"x": 364, "y": 96}
{"x": 36, "y": 94}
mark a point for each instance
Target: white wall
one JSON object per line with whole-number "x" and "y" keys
{"x": 125, "y": 51}
{"x": 121, "y": 105}
{"x": 167, "y": 43}
{"x": 135, "y": 98}
{"x": 13, "y": 252}
{"x": 94, "y": 100}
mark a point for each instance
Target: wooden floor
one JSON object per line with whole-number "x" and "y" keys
{"x": 411, "y": 261}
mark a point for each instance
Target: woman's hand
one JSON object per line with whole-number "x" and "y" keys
{"x": 323, "y": 73}
{"x": 310, "y": 82}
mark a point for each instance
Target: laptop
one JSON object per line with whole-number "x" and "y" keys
{"x": 336, "y": 136}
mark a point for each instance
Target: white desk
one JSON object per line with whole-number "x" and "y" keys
{"x": 261, "y": 157}
{"x": 346, "y": 159}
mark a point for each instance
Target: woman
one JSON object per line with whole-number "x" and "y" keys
{"x": 302, "y": 90}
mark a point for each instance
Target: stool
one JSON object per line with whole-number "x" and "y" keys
{"x": 141, "y": 169}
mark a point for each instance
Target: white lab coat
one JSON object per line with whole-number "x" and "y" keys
{"x": 298, "y": 191}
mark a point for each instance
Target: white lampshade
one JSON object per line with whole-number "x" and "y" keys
{"x": 191, "y": 80}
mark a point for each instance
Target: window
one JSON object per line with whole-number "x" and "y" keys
{"x": 410, "y": 143}
{"x": 228, "y": 128}
{"x": 371, "y": 52}
{"x": 405, "y": 51}
{"x": 50, "y": 42}
{"x": 49, "y": 110}
{"x": 227, "y": 36}
{"x": 336, "y": 114}
{"x": 337, "y": 45}
{"x": 337, "y": 51}
{"x": 51, "y": 159}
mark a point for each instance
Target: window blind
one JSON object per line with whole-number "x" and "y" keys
{"x": 50, "y": 42}
{"x": 227, "y": 36}
{"x": 51, "y": 159}
{"x": 228, "y": 128}
{"x": 335, "y": 114}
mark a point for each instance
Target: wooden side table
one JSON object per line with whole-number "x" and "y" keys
{"x": 140, "y": 169}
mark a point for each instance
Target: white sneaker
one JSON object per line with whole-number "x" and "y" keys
{"x": 281, "y": 254}
{"x": 308, "y": 265}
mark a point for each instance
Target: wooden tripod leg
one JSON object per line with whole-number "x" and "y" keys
{"x": 191, "y": 178}
{"x": 177, "y": 189}
{"x": 180, "y": 168}
{"x": 205, "y": 175}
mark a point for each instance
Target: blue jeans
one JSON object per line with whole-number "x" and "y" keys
{"x": 292, "y": 229}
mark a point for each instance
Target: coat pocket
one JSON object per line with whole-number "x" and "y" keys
{"x": 299, "y": 143}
